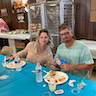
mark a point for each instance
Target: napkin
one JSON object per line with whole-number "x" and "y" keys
{"x": 3, "y": 77}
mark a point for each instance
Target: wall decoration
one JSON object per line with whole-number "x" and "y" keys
{"x": 4, "y": 12}
{"x": 20, "y": 18}
{"x": 93, "y": 11}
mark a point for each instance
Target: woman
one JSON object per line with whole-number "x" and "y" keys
{"x": 39, "y": 51}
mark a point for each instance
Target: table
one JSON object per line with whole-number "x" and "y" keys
{"x": 12, "y": 37}
{"x": 23, "y": 83}
{"x": 91, "y": 45}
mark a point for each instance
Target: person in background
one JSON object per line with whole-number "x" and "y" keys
{"x": 77, "y": 57}
{"x": 39, "y": 51}
{"x": 7, "y": 51}
{"x": 3, "y": 26}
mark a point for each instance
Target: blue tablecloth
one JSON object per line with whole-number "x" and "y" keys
{"x": 23, "y": 83}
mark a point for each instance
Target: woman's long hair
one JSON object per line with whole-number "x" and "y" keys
{"x": 50, "y": 42}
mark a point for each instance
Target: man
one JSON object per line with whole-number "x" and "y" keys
{"x": 75, "y": 53}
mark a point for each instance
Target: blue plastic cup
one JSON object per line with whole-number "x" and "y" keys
{"x": 63, "y": 61}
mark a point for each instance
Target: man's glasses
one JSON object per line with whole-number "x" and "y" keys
{"x": 65, "y": 33}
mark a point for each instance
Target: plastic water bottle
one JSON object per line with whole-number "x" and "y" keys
{"x": 63, "y": 61}
{"x": 39, "y": 73}
{"x": 17, "y": 60}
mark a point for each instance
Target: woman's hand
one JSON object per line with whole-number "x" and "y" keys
{"x": 57, "y": 61}
{"x": 11, "y": 57}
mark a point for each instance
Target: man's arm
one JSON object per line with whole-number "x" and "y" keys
{"x": 69, "y": 67}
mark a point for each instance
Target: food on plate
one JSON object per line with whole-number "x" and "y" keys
{"x": 56, "y": 77}
{"x": 62, "y": 79}
{"x": 11, "y": 65}
{"x": 52, "y": 73}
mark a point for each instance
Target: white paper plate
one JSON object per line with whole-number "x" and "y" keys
{"x": 58, "y": 78}
{"x": 14, "y": 65}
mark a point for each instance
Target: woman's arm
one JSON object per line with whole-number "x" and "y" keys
{"x": 21, "y": 53}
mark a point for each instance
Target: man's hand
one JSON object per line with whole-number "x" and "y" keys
{"x": 65, "y": 67}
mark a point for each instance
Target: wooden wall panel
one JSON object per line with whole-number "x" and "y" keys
{"x": 84, "y": 29}
{"x": 11, "y": 19}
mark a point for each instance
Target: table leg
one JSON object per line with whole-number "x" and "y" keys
{"x": 12, "y": 44}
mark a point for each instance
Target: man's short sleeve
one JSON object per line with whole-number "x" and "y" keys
{"x": 86, "y": 57}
